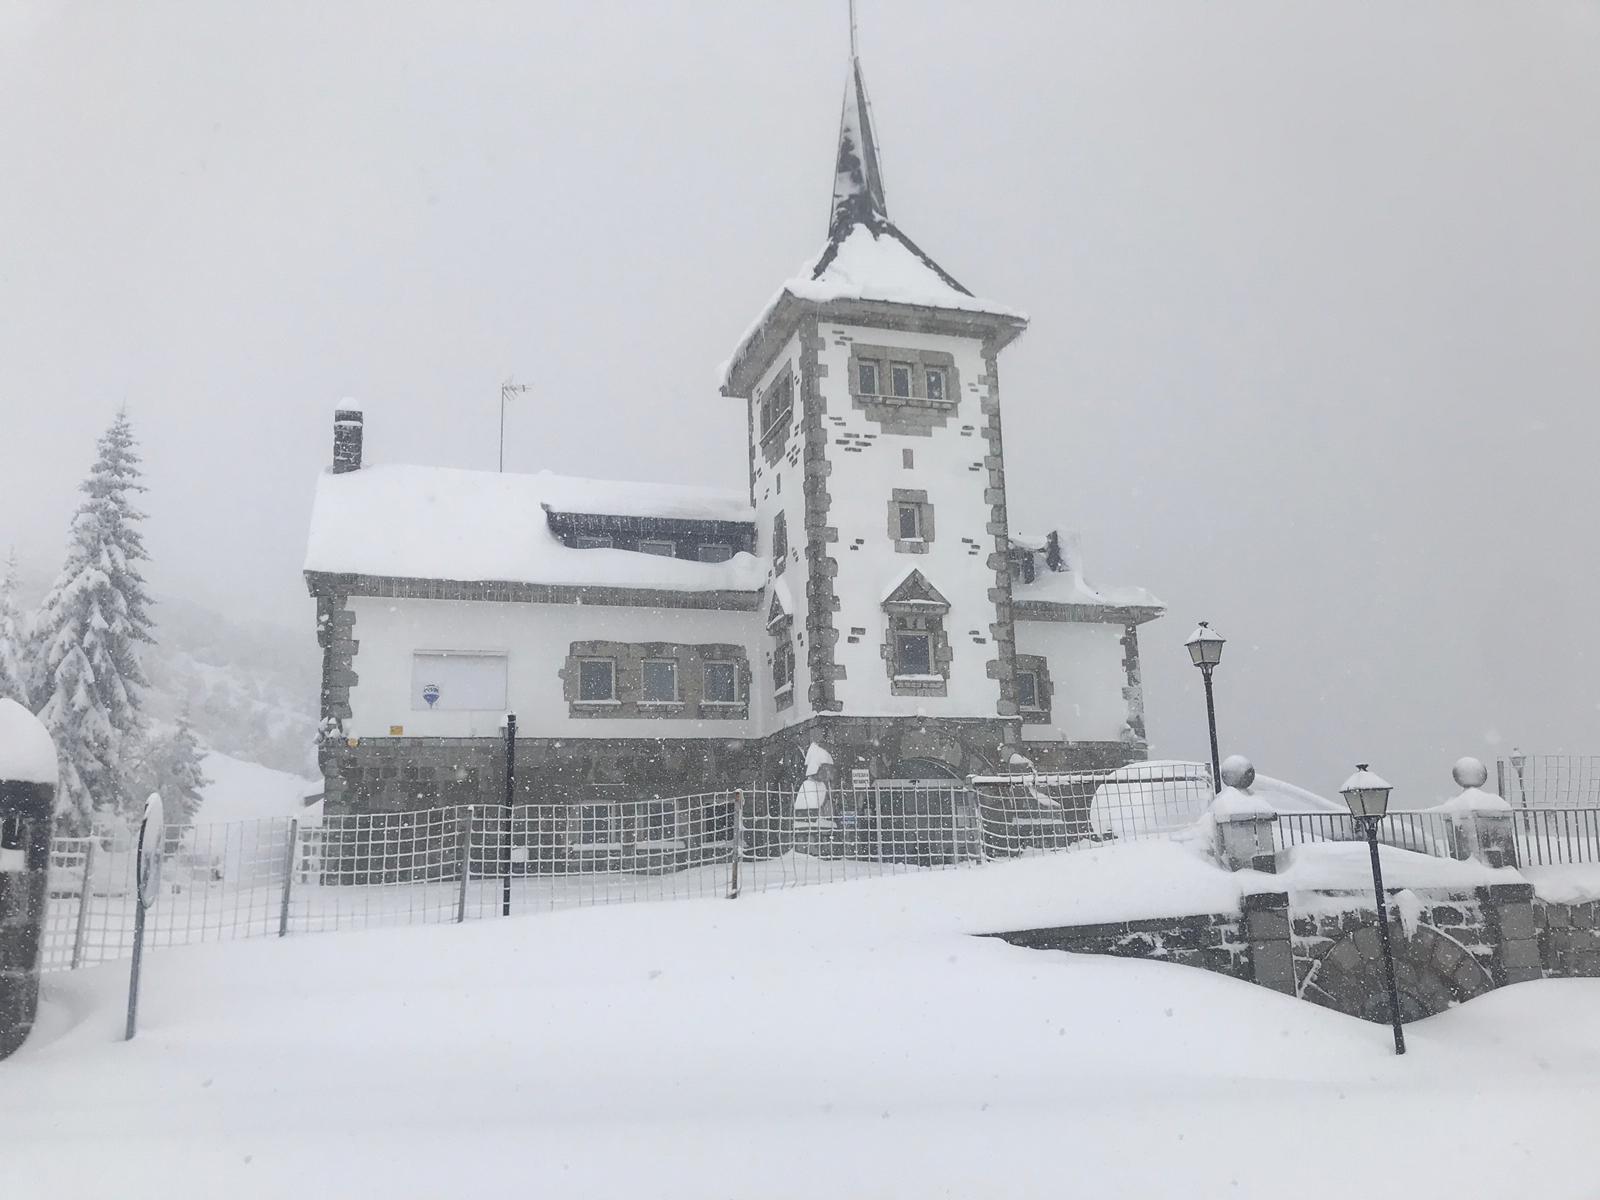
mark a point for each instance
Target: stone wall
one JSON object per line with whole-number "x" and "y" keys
{"x": 1212, "y": 941}
{"x": 25, "y": 819}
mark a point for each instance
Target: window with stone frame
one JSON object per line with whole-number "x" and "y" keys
{"x": 597, "y": 681}
{"x": 721, "y": 683}
{"x": 900, "y": 375}
{"x": 660, "y": 547}
{"x": 777, "y": 406}
{"x": 910, "y": 520}
{"x": 659, "y": 681}
{"x": 869, "y": 377}
{"x": 905, "y": 391}
{"x": 592, "y": 541}
{"x": 916, "y": 648}
{"x": 780, "y": 543}
{"x": 933, "y": 383}
{"x": 714, "y": 552}
{"x": 1033, "y": 688}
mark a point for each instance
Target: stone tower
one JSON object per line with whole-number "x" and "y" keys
{"x": 877, "y": 474}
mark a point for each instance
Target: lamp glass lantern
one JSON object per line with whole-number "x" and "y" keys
{"x": 1366, "y": 794}
{"x": 1205, "y": 646}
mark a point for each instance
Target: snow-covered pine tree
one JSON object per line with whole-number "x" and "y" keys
{"x": 171, "y": 766}
{"x": 86, "y": 634}
{"x": 13, "y": 640}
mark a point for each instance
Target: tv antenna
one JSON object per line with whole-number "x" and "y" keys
{"x": 508, "y": 389}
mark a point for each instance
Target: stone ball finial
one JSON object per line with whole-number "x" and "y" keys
{"x": 1470, "y": 773}
{"x": 1238, "y": 772}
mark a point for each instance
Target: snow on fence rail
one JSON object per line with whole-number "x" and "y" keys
{"x": 276, "y": 877}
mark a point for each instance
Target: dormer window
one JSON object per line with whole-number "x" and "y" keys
{"x": 867, "y": 383}
{"x": 916, "y": 650}
{"x": 900, "y": 380}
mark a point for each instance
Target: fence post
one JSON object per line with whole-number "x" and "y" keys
{"x": 466, "y": 865}
{"x": 82, "y": 929}
{"x": 738, "y": 845}
{"x": 511, "y": 797}
{"x": 288, "y": 876}
{"x": 955, "y": 832}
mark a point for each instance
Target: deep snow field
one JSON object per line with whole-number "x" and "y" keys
{"x": 840, "y": 1041}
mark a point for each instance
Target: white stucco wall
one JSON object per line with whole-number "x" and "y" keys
{"x": 1085, "y": 663}
{"x": 860, "y": 487}
{"x": 780, "y": 488}
{"x": 536, "y": 639}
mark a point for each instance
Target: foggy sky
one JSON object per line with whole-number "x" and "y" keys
{"x": 1313, "y": 291}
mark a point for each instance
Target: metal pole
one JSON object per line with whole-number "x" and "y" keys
{"x": 288, "y": 877}
{"x": 84, "y": 893}
{"x": 1383, "y": 936}
{"x": 1211, "y": 723}
{"x": 466, "y": 863}
{"x": 133, "y": 974}
{"x": 511, "y": 783}
{"x": 738, "y": 844}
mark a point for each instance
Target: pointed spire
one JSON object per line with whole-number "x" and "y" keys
{"x": 857, "y": 177}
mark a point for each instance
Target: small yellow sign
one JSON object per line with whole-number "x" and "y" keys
{"x": 396, "y": 730}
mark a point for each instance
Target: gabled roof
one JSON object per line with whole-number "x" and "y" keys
{"x": 866, "y": 257}
{"x": 915, "y": 592}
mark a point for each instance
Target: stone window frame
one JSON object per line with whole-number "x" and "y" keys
{"x": 917, "y": 607}
{"x": 644, "y": 684}
{"x": 593, "y": 541}
{"x": 1044, "y": 689}
{"x": 739, "y": 695}
{"x": 918, "y": 497}
{"x": 628, "y": 659}
{"x": 917, "y": 414}
{"x": 772, "y": 423}
{"x": 781, "y": 627}
{"x": 672, "y": 547}
{"x": 726, "y": 549}
{"x": 587, "y": 660}
{"x": 868, "y": 364}
{"x": 780, "y": 542}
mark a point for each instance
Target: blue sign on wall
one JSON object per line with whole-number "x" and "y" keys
{"x": 430, "y": 693}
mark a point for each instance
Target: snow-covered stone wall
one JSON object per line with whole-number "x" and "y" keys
{"x": 535, "y": 640}
{"x": 1087, "y": 672}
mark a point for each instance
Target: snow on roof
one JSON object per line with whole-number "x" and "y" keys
{"x": 446, "y": 523}
{"x": 1068, "y": 585}
{"x": 27, "y": 755}
{"x": 880, "y": 264}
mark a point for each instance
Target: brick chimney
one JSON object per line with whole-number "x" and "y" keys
{"x": 346, "y": 440}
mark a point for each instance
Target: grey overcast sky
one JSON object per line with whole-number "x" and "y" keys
{"x": 1315, "y": 292}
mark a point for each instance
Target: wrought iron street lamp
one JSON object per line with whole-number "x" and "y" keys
{"x": 1367, "y": 796}
{"x": 1205, "y": 648}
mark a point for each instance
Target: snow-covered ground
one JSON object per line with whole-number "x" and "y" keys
{"x": 840, "y": 1041}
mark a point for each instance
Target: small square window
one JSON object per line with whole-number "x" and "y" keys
{"x": 722, "y": 683}
{"x": 900, "y": 379}
{"x": 1028, "y": 689}
{"x": 910, "y": 523}
{"x": 867, "y": 378}
{"x": 597, "y": 679}
{"x": 660, "y": 681}
{"x": 913, "y": 654}
{"x": 714, "y": 552}
{"x": 935, "y": 382}
{"x": 659, "y": 547}
{"x": 586, "y": 541}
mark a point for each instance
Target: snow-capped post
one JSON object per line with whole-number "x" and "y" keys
{"x": 1367, "y": 796}
{"x": 1480, "y": 822}
{"x": 147, "y": 868}
{"x": 28, "y": 769}
{"x": 1244, "y": 824}
{"x": 1205, "y": 650}
{"x": 511, "y": 790}
{"x": 347, "y": 437}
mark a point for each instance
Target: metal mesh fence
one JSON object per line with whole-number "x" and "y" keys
{"x": 283, "y": 876}
{"x": 1549, "y": 780}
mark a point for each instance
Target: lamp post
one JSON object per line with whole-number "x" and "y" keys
{"x": 1205, "y": 648}
{"x": 1367, "y": 796}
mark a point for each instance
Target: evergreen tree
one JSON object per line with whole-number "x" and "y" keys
{"x": 13, "y": 640}
{"x": 171, "y": 766}
{"x": 86, "y": 635}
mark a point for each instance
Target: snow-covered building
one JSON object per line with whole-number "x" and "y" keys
{"x": 865, "y": 593}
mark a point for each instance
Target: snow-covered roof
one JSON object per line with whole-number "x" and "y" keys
{"x": 447, "y": 523}
{"x": 27, "y": 755}
{"x": 1068, "y": 585}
